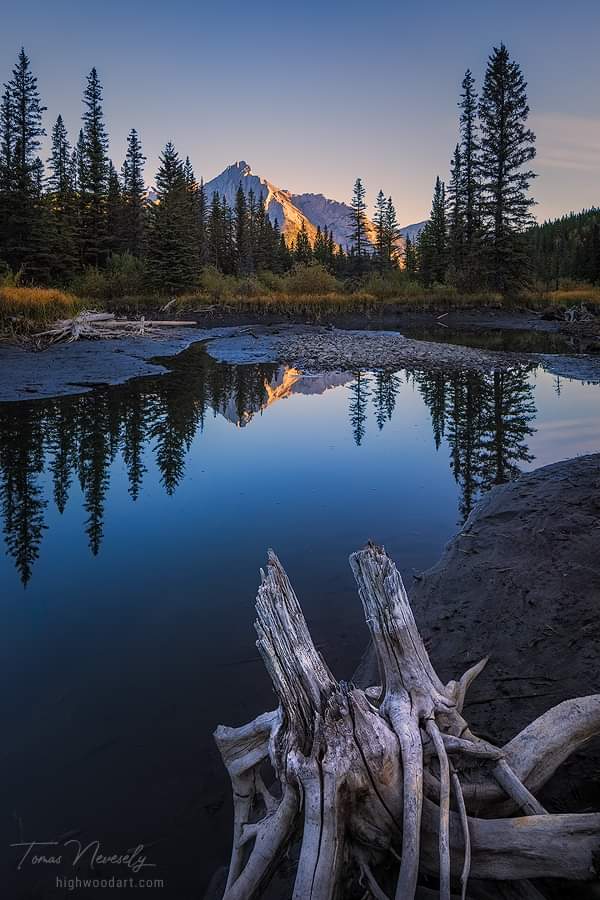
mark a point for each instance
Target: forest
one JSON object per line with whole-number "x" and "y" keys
{"x": 75, "y": 223}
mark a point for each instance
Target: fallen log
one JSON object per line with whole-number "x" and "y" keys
{"x": 389, "y": 786}
{"x": 91, "y": 325}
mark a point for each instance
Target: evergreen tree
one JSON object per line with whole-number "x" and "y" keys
{"x": 507, "y": 146}
{"x": 61, "y": 199}
{"x": 134, "y": 197}
{"x": 320, "y": 251}
{"x": 115, "y": 212}
{"x": 193, "y": 211}
{"x": 243, "y": 244}
{"x": 203, "y": 248}
{"x": 216, "y": 233}
{"x": 168, "y": 251}
{"x": 358, "y": 225}
{"x": 380, "y": 222}
{"x": 456, "y": 218}
{"x": 470, "y": 195}
{"x": 433, "y": 240}
{"x": 411, "y": 265}
{"x": 93, "y": 174}
{"x": 285, "y": 256}
{"x": 302, "y": 249}
{"x": 20, "y": 168}
{"x": 391, "y": 233}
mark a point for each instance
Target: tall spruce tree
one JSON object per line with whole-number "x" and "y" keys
{"x": 203, "y": 224}
{"x": 380, "y": 222}
{"x": 115, "y": 213}
{"x": 243, "y": 238}
{"x": 20, "y": 168}
{"x": 411, "y": 265}
{"x": 169, "y": 260}
{"x": 134, "y": 196}
{"x": 61, "y": 200}
{"x": 193, "y": 211}
{"x": 456, "y": 219}
{"x": 507, "y": 146}
{"x": 303, "y": 253}
{"x": 470, "y": 178}
{"x": 392, "y": 233}
{"x": 433, "y": 240}
{"x": 93, "y": 175}
{"x": 358, "y": 227}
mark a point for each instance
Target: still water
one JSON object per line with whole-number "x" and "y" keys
{"x": 135, "y": 519}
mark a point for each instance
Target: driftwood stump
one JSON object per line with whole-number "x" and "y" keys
{"x": 386, "y": 787}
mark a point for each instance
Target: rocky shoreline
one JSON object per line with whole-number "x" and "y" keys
{"x": 73, "y": 368}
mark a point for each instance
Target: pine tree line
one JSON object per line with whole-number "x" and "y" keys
{"x": 476, "y": 236}
{"x": 567, "y": 248}
{"x": 77, "y": 213}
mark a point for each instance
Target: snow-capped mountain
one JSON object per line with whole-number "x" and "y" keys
{"x": 291, "y": 210}
{"x": 278, "y": 202}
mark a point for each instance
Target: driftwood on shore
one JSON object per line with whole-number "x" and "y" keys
{"x": 388, "y": 788}
{"x": 95, "y": 325}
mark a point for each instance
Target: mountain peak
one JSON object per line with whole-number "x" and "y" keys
{"x": 240, "y": 166}
{"x": 291, "y": 211}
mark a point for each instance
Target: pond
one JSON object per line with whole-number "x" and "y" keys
{"x": 135, "y": 519}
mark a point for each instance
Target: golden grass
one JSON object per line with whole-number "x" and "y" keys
{"x": 569, "y": 296}
{"x": 333, "y": 302}
{"x": 36, "y": 303}
{"x": 576, "y": 295}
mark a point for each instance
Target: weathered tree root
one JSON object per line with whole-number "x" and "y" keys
{"x": 383, "y": 784}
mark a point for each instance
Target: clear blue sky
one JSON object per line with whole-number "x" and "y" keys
{"x": 314, "y": 94}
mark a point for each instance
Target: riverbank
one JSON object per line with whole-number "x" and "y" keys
{"x": 80, "y": 366}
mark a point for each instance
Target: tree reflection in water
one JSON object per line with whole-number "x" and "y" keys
{"x": 484, "y": 419}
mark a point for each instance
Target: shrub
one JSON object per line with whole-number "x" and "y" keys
{"x": 217, "y": 285}
{"x": 272, "y": 281}
{"x": 388, "y": 285}
{"x": 125, "y": 275}
{"x": 310, "y": 279}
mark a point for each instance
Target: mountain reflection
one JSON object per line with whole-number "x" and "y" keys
{"x": 47, "y": 446}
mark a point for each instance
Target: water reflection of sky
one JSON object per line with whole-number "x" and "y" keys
{"x": 124, "y": 660}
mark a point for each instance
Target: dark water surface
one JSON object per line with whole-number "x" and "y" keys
{"x": 135, "y": 519}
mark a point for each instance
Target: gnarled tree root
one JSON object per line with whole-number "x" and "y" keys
{"x": 389, "y": 785}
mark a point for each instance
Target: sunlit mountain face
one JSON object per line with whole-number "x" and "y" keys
{"x": 292, "y": 211}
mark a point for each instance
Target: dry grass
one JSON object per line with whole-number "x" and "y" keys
{"x": 24, "y": 307}
{"x": 585, "y": 295}
{"x": 569, "y": 295}
{"x": 336, "y": 302}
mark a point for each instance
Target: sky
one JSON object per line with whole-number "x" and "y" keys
{"x": 313, "y": 94}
